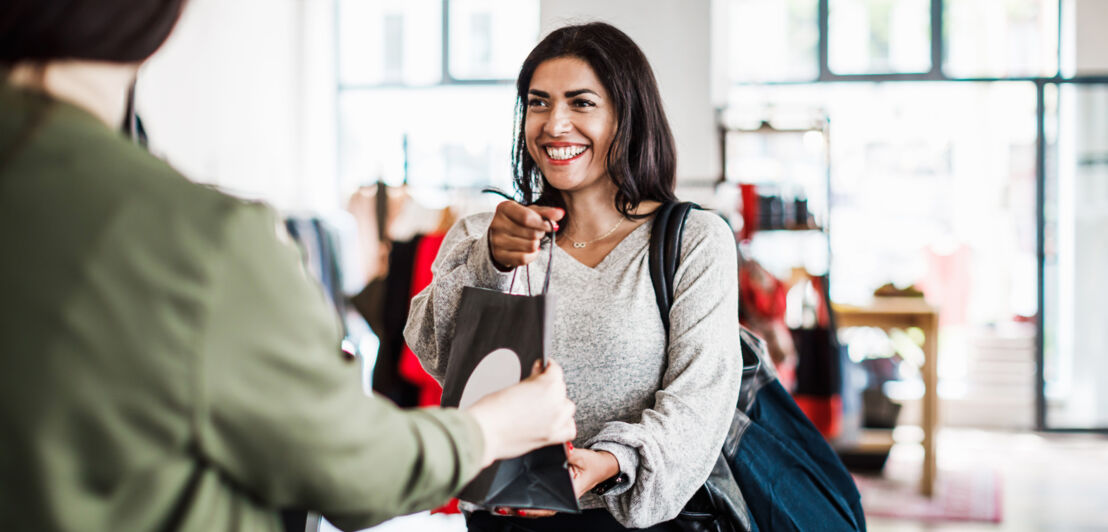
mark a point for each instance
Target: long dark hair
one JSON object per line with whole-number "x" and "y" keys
{"x": 118, "y": 31}
{"x": 642, "y": 158}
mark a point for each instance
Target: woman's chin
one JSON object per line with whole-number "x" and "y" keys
{"x": 567, "y": 179}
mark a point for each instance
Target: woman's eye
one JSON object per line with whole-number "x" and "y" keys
{"x": 581, "y": 102}
{"x": 535, "y": 102}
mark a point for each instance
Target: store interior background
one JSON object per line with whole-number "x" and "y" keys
{"x": 930, "y": 177}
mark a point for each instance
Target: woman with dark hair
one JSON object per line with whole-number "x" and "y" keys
{"x": 594, "y": 158}
{"x": 165, "y": 361}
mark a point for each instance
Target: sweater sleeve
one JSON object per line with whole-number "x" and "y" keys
{"x": 668, "y": 454}
{"x": 463, "y": 260}
{"x": 284, "y": 416}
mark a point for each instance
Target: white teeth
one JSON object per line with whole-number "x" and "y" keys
{"x": 561, "y": 154}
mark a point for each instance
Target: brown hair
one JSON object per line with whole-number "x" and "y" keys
{"x": 642, "y": 158}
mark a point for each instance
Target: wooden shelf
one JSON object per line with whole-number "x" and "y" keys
{"x": 904, "y": 312}
{"x": 876, "y": 441}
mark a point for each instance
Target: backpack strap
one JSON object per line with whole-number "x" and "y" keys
{"x": 664, "y": 257}
{"x": 665, "y": 252}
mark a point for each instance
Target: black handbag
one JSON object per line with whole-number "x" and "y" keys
{"x": 773, "y": 457}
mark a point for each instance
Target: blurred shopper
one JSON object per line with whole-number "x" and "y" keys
{"x": 594, "y": 153}
{"x": 165, "y": 362}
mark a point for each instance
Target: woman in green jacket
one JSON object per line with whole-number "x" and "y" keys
{"x": 165, "y": 362}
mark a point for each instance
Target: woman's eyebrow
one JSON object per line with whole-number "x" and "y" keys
{"x": 540, "y": 94}
{"x": 578, "y": 92}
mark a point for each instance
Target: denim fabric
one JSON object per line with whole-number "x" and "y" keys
{"x": 789, "y": 475}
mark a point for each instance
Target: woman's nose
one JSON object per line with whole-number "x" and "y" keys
{"x": 559, "y": 123}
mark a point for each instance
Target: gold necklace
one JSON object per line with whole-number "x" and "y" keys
{"x": 580, "y": 245}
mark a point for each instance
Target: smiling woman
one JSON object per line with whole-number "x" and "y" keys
{"x": 593, "y": 159}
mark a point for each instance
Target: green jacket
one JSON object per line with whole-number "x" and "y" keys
{"x": 167, "y": 364}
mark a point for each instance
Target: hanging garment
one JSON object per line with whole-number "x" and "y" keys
{"x": 386, "y": 375}
{"x": 819, "y": 380}
{"x": 788, "y": 477}
{"x": 819, "y": 368}
{"x": 409, "y": 367}
{"x": 320, "y": 253}
{"x": 762, "y": 307}
{"x": 367, "y": 206}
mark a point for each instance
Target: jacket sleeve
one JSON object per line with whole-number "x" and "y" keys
{"x": 668, "y": 454}
{"x": 284, "y": 416}
{"x": 463, "y": 260}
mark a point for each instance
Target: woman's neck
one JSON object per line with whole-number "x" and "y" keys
{"x": 591, "y": 212}
{"x": 98, "y": 87}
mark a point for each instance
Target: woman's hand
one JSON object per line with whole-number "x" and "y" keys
{"x": 516, "y": 231}
{"x": 523, "y": 417}
{"x": 587, "y": 468}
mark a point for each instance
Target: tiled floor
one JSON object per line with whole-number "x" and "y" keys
{"x": 1051, "y": 482}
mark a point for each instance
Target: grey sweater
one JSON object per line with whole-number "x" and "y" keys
{"x": 662, "y": 411}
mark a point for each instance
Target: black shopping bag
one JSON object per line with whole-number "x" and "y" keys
{"x": 498, "y": 338}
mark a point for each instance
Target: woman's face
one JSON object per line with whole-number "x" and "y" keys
{"x": 570, "y": 124}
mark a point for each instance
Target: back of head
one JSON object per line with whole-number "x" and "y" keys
{"x": 642, "y": 157}
{"x": 118, "y": 31}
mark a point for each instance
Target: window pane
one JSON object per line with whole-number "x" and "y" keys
{"x": 933, "y": 184}
{"x": 489, "y": 39}
{"x": 1076, "y": 258}
{"x": 879, "y": 36}
{"x": 435, "y": 138}
{"x": 773, "y": 40}
{"x": 924, "y": 175}
{"x": 390, "y": 42}
{"x": 997, "y": 38}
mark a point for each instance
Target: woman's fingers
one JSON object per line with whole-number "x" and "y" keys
{"x": 529, "y": 217}
{"x": 512, "y": 243}
{"x": 516, "y": 232}
{"x": 553, "y": 214}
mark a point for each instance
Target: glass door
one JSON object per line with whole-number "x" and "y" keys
{"x": 1074, "y": 378}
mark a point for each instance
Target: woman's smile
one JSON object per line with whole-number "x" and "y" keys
{"x": 564, "y": 153}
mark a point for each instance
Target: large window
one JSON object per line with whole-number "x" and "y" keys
{"x": 939, "y": 114}
{"x": 879, "y": 36}
{"x": 1000, "y": 38}
{"x": 426, "y": 94}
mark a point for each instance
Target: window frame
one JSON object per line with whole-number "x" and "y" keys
{"x": 446, "y": 80}
{"x": 936, "y": 73}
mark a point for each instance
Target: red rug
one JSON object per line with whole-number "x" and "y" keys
{"x": 959, "y": 496}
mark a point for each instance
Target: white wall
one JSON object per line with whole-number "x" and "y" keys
{"x": 1091, "y": 46}
{"x": 242, "y": 96}
{"x": 675, "y": 35}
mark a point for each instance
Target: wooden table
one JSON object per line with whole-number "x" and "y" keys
{"x": 901, "y": 313}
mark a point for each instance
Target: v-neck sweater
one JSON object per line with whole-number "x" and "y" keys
{"x": 662, "y": 410}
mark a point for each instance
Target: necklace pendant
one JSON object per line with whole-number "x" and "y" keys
{"x": 580, "y": 245}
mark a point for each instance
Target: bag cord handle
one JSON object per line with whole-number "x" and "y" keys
{"x": 549, "y": 266}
